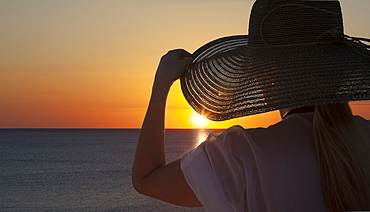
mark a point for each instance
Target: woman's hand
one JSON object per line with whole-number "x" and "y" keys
{"x": 172, "y": 66}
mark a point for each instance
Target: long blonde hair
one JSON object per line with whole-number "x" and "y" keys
{"x": 342, "y": 146}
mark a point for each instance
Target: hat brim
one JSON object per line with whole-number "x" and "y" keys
{"x": 229, "y": 79}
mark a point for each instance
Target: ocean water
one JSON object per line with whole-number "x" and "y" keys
{"x": 79, "y": 169}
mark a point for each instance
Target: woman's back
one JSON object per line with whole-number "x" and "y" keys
{"x": 263, "y": 169}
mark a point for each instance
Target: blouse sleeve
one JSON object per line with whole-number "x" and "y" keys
{"x": 202, "y": 173}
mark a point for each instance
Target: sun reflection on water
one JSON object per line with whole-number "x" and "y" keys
{"x": 201, "y": 136}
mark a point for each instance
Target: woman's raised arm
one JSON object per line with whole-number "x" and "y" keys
{"x": 151, "y": 175}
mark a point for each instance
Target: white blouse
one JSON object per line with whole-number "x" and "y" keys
{"x": 263, "y": 169}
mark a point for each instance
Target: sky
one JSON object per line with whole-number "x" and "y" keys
{"x": 91, "y": 63}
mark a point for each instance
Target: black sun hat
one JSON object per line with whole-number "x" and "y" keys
{"x": 296, "y": 54}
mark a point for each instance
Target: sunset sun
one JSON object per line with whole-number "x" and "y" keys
{"x": 198, "y": 120}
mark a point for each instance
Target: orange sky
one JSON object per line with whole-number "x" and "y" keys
{"x": 79, "y": 63}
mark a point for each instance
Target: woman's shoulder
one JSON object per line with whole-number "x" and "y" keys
{"x": 227, "y": 135}
{"x": 227, "y": 140}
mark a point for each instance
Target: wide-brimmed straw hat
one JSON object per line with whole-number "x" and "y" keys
{"x": 296, "y": 54}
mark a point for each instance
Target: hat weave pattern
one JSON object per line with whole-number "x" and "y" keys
{"x": 272, "y": 68}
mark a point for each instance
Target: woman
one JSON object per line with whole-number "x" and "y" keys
{"x": 316, "y": 159}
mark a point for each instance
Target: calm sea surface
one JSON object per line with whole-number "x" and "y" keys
{"x": 79, "y": 169}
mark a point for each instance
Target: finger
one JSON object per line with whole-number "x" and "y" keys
{"x": 180, "y": 53}
{"x": 185, "y": 54}
{"x": 187, "y": 62}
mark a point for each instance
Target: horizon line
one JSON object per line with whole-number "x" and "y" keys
{"x": 98, "y": 128}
